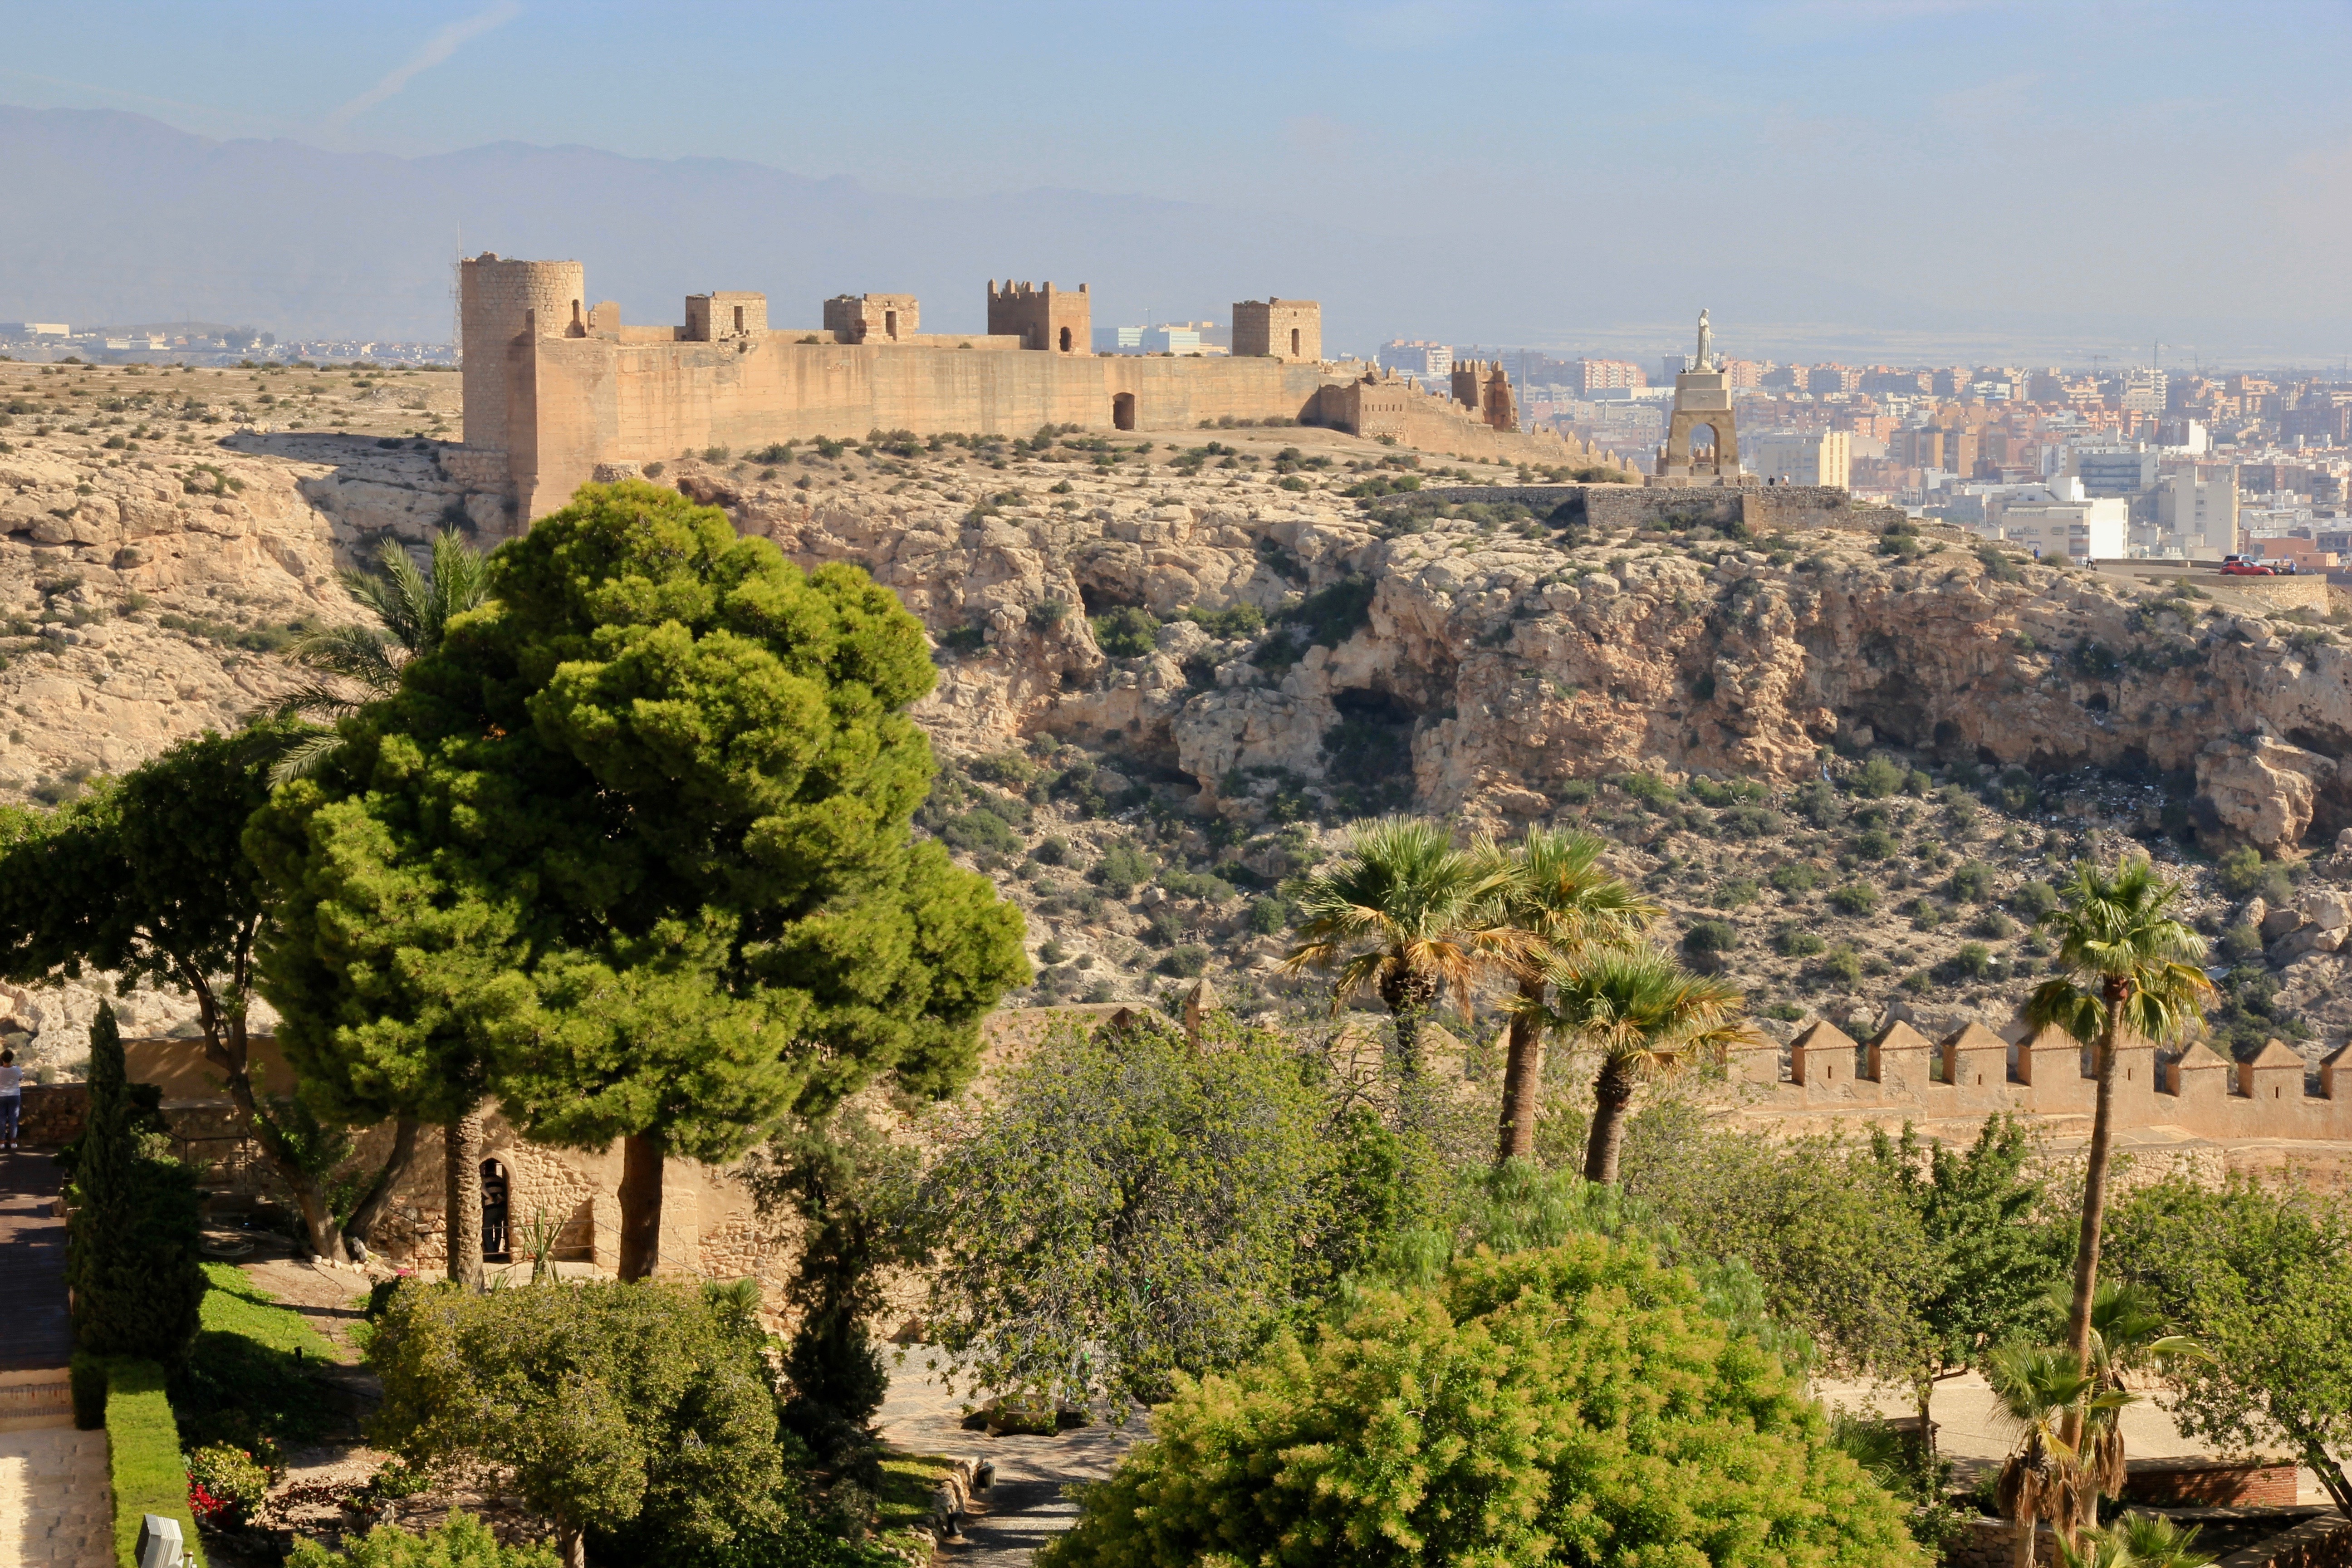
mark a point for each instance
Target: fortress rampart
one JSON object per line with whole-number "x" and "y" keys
{"x": 1902, "y": 1075}
{"x": 556, "y": 389}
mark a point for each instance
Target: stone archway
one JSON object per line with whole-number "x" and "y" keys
{"x": 1122, "y": 411}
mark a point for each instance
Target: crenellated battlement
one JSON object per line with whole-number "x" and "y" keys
{"x": 1976, "y": 1072}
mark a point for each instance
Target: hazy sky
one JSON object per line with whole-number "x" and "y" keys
{"x": 2126, "y": 168}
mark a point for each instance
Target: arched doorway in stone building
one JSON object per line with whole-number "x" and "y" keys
{"x": 496, "y": 1197}
{"x": 1122, "y": 411}
{"x": 1066, "y": 340}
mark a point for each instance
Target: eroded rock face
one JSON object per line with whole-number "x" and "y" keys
{"x": 1522, "y": 663}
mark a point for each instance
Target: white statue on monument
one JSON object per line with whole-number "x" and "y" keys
{"x": 1706, "y": 342}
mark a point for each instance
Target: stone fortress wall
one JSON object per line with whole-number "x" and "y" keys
{"x": 1902, "y": 1076}
{"x": 559, "y": 392}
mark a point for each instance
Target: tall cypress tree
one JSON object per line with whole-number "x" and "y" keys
{"x": 131, "y": 1253}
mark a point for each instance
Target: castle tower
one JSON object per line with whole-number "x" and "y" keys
{"x": 495, "y": 299}
{"x": 1286, "y": 330}
{"x": 873, "y": 318}
{"x": 1051, "y": 319}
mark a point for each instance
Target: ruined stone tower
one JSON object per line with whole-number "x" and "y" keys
{"x": 873, "y": 318}
{"x": 1052, "y": 319}
{"x": 1287, "y": 329}
{"x": 495, "y": 299}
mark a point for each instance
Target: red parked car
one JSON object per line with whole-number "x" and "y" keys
{"x": 2239, "y": 566}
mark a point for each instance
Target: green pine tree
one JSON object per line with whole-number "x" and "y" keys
{"x": 130, "y": 1254}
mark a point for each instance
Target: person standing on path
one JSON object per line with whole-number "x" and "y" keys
{"x": 12, "y": 1098}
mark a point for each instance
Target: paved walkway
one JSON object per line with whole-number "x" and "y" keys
{"x": 55, "y": 1505}
{"x": 1025, "y": 1508}
{"x": 56, "y": 1510}
{"x": 34, "y": 1332}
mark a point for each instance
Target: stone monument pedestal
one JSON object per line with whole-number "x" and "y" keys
{"x": 1702, "y": 397}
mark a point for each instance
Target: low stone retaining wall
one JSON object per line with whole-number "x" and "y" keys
{"x": 2210, "y": 1483}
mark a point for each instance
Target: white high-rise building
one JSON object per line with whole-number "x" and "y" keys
{"x": 2197, "y": 510}
{"x": 1814, "y": 458}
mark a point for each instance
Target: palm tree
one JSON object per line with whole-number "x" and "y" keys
{"x": 2043, "y": 1392}
{"x": 1549, "y": 887}
{"x": 359, "y": 663}
{"x": 2129, "y": 1337}
{"x": 414, "y": 611}
{"x": 2128, "y": 966}
{"x": 1402, "y": 914}
{"x": 2154, "y": 1541}
{"x": 2137, "y": 1541}
{"x": 1648, "y": 1017}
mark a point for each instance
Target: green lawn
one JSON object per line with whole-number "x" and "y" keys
{"x": 248, "y": 1374}
{"x": 907, "y": 1482}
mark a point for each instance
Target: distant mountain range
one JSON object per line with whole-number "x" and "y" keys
{"x": 107, "y": 217}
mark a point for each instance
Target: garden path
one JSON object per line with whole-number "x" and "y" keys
{"x": 1025, "y": 1508}
{"x": 56, "y": 1506}
{"x": 34, "y": 1332}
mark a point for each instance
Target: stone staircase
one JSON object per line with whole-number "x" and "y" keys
{"x": 35, "y": 1397}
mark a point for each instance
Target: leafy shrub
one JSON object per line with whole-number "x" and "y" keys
{"x": 1796, "y": 941}
{"x": 1925, "y": 914}
{"x": 1010, "y": 770}
{"x": 1710, "y": 937}
{"x": 2035, "y": 899}
{"x": 1752, "y": 822}
{"x": 1876, "y": 779}
{"x": 640, "y": 1414}
{"x": 1197, "y": 885}
{"x": 461, "y": 1542}
{"x": 1972, "y": 883}
{"x": 1961, "y": 808}
{"x": 981, "y": 829}
{"x": 1047, "y": 613}
{"x": 2242, "y": 871}
{"x": 1126, "y": 632}
{"x": 1994, "y": 925}
{"x": 1329, "y": 617}
{"x": 1856, "y": 898}
{"x": 1053, "y": 952}
{"x": 1648, "y": 788}
{"x": 1233, "y": 621}
{"x": 1974, "y": 960}
{"x": 1268, "y": 916}
{"x": 1841, "y": 964}
{"x": 1054, "y": 850}
{"x": 1574, "y": 792}
{"x": 1185, "y": 961}
{"x": 224, "y": 1485}
{"x": 1193, "y": 1198}
{"x": 1552, "y": 1393}
{"x": 1123, "y": 867}
{"x": 2240, "y": 942}
{"x": 1818, "y": 804}
{"x": 1795, "y": 878}
{"x": 1736, "y": 892}
{"x": 1876, "y": 844}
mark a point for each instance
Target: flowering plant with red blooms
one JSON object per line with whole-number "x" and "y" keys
{"x": 225, "y": 1484}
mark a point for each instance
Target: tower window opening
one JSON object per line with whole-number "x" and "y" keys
{"x": 739, "y": 318}
{"x": 890, "y": 325}
{"x": 1066, "y": 340}
{"x": 1294, "y": 342}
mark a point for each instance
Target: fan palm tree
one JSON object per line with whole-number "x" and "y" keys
{"x": 2126, "y": 965}
{"x": 1551, "y": 889}
{"x": 2041, "y": 1391}
{"x": 1648, "y": 1017}
{"x": 2156, "y": 1541}
{"x": 355, "y": 663}
{"x": 1403, "y": 913}
{"x": 2129, "y": 1337}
